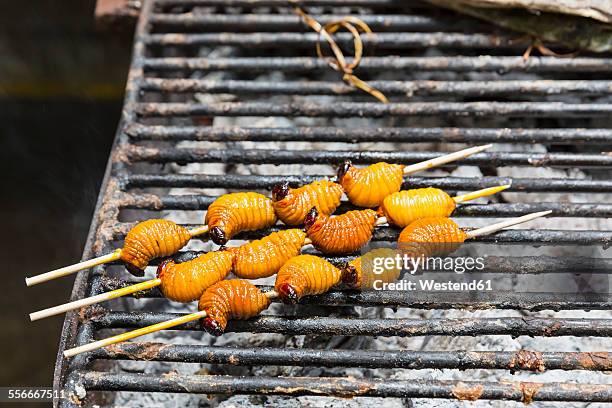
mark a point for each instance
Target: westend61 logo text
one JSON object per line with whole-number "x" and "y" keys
{"x": 412, "y": 265}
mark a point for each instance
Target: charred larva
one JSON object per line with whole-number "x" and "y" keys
{"x": 236, "y": 212}
{"x": 231, "y": 299}
{"x": 340, "y": 234}
{"x": 152, "y": 239}
{"x": 361, "y": 273}
{"x": 292, "y": 204}
{"x": 264, "y": 257}
{"x": 368, "y": 186}
{"x": 305, "y": 275}
{"x": 430, "y": 237}
{"x": 187, "y": 281}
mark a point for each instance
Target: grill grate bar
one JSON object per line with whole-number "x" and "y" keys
{"x": 346, "y": 387}
{"x": 458, "y": 63}
{"x": 502, "y": 300}
{"x": 411, "y": 88}
{"x": 279, "y": 3}
{"x": 201, "y": 202}
{"x": 307, "y": 40}
{"x": 140, "y": 132}
{"x": 524, "y": 265}
{"x": 376, "y": 110}
{"x": 272, "y": 156}
{"x": 276, "y": 22}
{"x": 510, "y": 236}
{"x": 463, "y": 360}
{"x": 445, "y": 183}
{"x": 513, "y": 326}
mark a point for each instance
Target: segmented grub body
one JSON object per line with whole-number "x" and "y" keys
{"x": 236, "y": 212}
{"x": 341, "y": 234}
{"x": 431, "y": 237}
{"x": 264, "y": 257}
{"x": 406, "y": 206}
{"x": 152, "y": 239}
{"x": 363, "y": 272}
{"x": 305, "y": 275}
{"x": 187, "y": 281}
{"x": 368, "y": 186}
{"x": 292, "y": 204}
{"x": 231, "y": 299}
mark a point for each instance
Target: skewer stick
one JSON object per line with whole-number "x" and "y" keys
{"x": 447, "y": 158}
{"x": 77, "y": 304}
{"x": 203, "y": 229}
{"x": 65, "y": 271}
{"x": 113, "y": 256}
{"x": 504, "y": 224}
{"x": 480, "y": 193}
{"x": 135, "y": 333}
{"x": 144, "y": 330}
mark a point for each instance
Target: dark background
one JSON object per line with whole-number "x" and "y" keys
{"x": 61, "y": 88}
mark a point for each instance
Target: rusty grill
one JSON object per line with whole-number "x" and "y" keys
{"x": 203, "y": 71}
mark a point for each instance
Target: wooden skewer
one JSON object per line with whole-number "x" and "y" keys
{"x": 447, "y": 158}
{"x": 58, "y": 273}
{"x": 77, "y": 304}
{"x": 271, "y": 294}
{"x": 480, "y": 193}
{"x": 145, "y": 330}
{"x": 504, "y": 224}
{"x": 113, "y": 256}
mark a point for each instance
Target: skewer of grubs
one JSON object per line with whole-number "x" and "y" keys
{"x": 422, "y": 238}
{"x": 239, "y": 299}
{"x": 226, "y": 216}
{"x": 300, "y": 276}
{"x": 368, "y": 186}
{"x": 146, "y": 240}
{"x": 406, "y": 206}
{"x": 233, "y": 298}
{"x": 264, "y": 257}
{"x": 365, "y": 187}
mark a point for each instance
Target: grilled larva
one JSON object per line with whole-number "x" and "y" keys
{"x": 264, "y": 257}
{"x": 236, "y": 212}
{"x": 359, "y": 273}
{"x": 430, "y": 237}
{"x": 341, "y": 234}
{"x": 292, "y": 204}
{"x": 152, "y": 239}
{"x": 368, "y": 186}
{"x": 230, "y": 299}
{"x": 403, "y": 207}
{"x": 305, "y": 275}
{"x": 187, "y": 281}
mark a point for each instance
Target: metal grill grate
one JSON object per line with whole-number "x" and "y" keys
{"x": 567, "y": 102}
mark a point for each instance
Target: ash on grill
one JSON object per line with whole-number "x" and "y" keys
{"x": 186, "y": 189}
